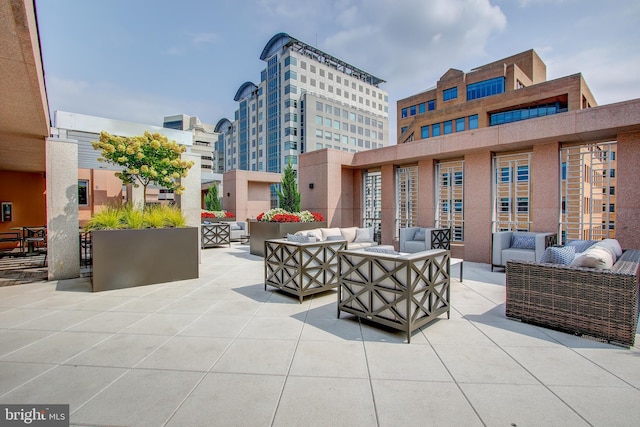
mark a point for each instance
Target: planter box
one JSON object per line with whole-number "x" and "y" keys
{"x": 127, "y": 258}
{"x": 262, "y": 231}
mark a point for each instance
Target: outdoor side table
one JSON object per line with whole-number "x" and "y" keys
{"x": 301, "y": 269}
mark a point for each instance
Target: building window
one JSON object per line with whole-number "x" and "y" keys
{"x": 404, "y": 128}
{"x": 83, "y": 192}
{"x": 505, "y": 205}
{"x": 460, "y": 124}
{"x": 435, "y": 129}
{"x": 612, "y": 191}
{"x": 424, "y": 132}
{"x": 504, "y": 175}
{"x": 473, "y": 122}
{"x": 527, "y": 113}
{"x": 431, "y": 105}
{"x": 291, "y": 61}
{"x": 485, "y": 88}
{"x": 421, "y": 108}
{"x": 412, "y": 110}
{"x": 289, "y": 74}
{"x": 523, "y": 173}
{"x": 449, "y": 94}
{"x": 448, "y": 127}
{"x": 405, "y": 113}
{"x": 523, "y": 204}
{"x": 564, "y": 170}
{"x": 407, "y": 196}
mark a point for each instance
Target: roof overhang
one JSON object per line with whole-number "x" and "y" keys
{"x": 24, "y": 122}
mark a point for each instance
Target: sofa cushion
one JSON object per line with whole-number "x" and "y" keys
{"x": 523, "y": 241}
{"x": 559, "y": 255}
{"x": 594, "y": 257}
{"x": 326, "y": 232}
{"x": 419, "y": 235}
{"x": 581, "y": 245}
{"x": 364, "y": 235}
{"x": 234, "y": 227}
{"x": 349, "y": 233}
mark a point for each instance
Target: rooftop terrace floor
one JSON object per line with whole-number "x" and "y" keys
{"x": 220, "y": 350}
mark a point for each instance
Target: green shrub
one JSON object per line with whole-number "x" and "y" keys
{"x": 109, "y": 218}
{"x": 173, "y": 217}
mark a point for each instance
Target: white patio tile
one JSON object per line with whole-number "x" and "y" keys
{"x": 123, "y": 351}
{"x": 15, "y": 374}
{"x": 59, "y": 320}
{"x": 230, "y": 400}
{"x": 324, "y": 402}
{"x": 13, "y": 339}
{"x": 404, "y": 362}
{"x": 257, "y": 356}
{"x": 274, "y": 327}
{"x": 562, "y": 366}
{"x": 618, "y": 361}
{"x": 140, "y": 397}
{"x": 72, "y": 385}
{"x": 482, "y": 364}
{"x": 420, "y": 403}
{"x": 603, "y": 406}
{"x": 56, "y": 348}
{"x": 161, "y": 324}
{"x": 222, "y": 326}
{"x": 330, "y": 359}
{"x": 109, "y": 322}
{"x": 187, "y": 354}
{"x": 520, "y": 405}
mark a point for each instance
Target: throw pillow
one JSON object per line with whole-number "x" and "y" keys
{"x": 381, "y": 250}
{"x": 520, "y": 241}
{"x": 235, "y": 227}
{"x": 606, "y": 244}
{"x": 364, "y": 235}
{"x": 581, "y": 245}
{"x": 419, "y": 235}
{"x": 594, "y": 257}
{"x": 297, "y": 238}
{"x": 559, "y": 255}
{"x": 349, "y": 233}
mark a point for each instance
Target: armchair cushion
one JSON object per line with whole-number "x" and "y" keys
{"x": 419, "y": 235}
{"x": 364, "y": 235}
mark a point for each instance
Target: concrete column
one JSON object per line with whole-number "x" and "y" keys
{"x": 62, "y": 209}
{"x": 628, "y": 190}
{"x": 477, "y": 207}
{"x": 190, "y": 200}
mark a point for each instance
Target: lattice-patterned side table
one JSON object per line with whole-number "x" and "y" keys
{"x": 215, "y": 234}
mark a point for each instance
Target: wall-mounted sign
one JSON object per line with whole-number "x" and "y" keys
{"x": 7, "y": 212}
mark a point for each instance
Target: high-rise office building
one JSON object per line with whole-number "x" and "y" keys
{"x": 306, "y": 100}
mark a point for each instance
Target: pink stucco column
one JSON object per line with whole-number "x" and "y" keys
{"x": 426, "y": 199}
{"x": 477, "y": 207}
{"x": 388, "y": 204}
{"x": 628, "y": 190}
{"x": 545, "y": 191}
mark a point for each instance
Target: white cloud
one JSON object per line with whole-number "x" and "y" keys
{"x": 201, "y": 38}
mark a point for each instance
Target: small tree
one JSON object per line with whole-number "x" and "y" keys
{"x": 149, "y": 158}
{"x": 288, "y": 194}
{"x": 211, "y": 200}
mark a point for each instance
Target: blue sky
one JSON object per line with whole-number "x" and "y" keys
{"x": 141, "y": 60}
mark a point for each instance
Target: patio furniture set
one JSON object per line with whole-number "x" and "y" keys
{"x": 403, "y": 291}
{"x": 31, "y": 240}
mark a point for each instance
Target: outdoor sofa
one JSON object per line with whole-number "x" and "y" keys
{"x": 355, "y": 237}
{"x": 598, "y": 302}
{"x": 417, "y": 239}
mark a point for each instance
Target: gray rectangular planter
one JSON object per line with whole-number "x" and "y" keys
{"x": 127, "y": 258}
{"x": 262, "y": 231}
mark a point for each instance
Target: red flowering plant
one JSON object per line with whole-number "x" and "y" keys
{"x": 216, "y": 214}
{"x": 281, "y": 215}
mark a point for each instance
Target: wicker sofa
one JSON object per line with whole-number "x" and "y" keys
{"x": 600, "y": 303}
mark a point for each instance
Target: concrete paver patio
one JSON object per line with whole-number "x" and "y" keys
{"x": 222, "y": 351}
